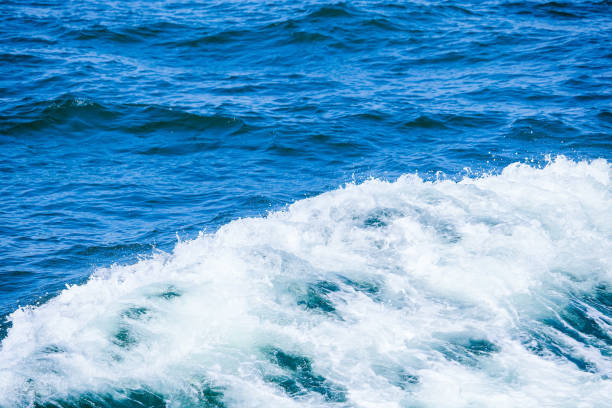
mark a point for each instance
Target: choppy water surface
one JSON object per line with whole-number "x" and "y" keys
{"x": 444, "y": 274}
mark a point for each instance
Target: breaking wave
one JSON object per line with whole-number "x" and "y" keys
{"x": 490, "y": 291}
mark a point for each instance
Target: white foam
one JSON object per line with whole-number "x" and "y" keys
{"x": 415, "y": 270}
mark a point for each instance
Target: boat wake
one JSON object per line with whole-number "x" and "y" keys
{"x": 489, "y": 291}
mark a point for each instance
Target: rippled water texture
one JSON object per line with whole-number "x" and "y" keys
{"x": 470, "y": 281}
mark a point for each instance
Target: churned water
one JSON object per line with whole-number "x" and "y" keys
{"x": 305, "y": 204}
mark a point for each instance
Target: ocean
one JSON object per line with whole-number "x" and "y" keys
{"x": 305, "y": 204}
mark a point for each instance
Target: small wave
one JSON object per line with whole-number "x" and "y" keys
{"x": 80, "y": 113}
{"x": 157, "y": 33}
{"x": 36, "y": 116}
{"x": 538, "y": 127}
{"x": 425, "y": 122}
{"x": 308, "y": 37}
{"x": 161, "y": 118}
{"x": 216, "y": 38}
{"x": 605, "y": 116}
{"x": 18, "y": 58}
{"x": 382, "y": 23}
{"x": 337, "y": 10}
{"x": 95, "y": 33}
{"x": 554, "y": 9}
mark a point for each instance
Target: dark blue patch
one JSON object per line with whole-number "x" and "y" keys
{"x": 468, "y": 351}
{"x": 372, "y": 288}
{"x": 545, "y": 344}
{"x": 169, "y": 294}
{"x": 124, "y": 338}
{"x": 299, "y": 379}
{"x": 135, "y": 313}
{"x": 575, "y": 322}
{"x": 126, "y": 399}
{"x": 381, "y": 217}
{"x": 316, "y": 297}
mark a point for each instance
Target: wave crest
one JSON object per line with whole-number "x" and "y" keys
{"x": 445, "y": 293}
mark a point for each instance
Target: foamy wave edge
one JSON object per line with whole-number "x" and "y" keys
{"x": 490, "y": 291}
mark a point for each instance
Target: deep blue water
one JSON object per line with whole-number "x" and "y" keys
{"x": 125, "y": 124}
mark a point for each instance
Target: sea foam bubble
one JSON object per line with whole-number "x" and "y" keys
{"x": 489, "y": 291}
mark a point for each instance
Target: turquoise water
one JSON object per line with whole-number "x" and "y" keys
{"x": 349, "y": 204}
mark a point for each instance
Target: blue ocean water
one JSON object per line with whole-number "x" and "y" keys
{"x": 126, "y": 127}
